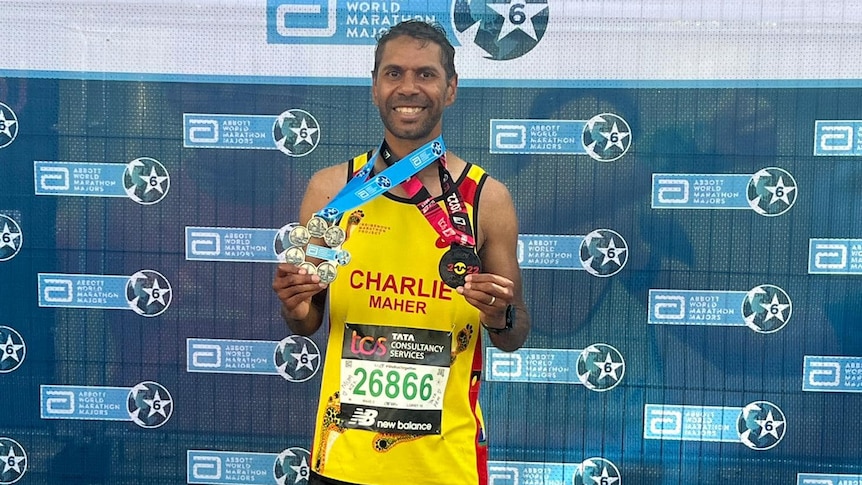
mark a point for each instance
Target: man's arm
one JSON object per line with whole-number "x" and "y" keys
{"x": 499, "y": 285}
{"x": 303, "y": 296}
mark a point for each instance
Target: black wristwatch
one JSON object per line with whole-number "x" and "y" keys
{"x": 510, "y": 321}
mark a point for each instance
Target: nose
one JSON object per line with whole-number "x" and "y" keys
{"x": 408, "y": 83}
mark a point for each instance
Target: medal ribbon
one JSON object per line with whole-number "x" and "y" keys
{"x": 361, "y": 189}
{"x": 453, "y": 225}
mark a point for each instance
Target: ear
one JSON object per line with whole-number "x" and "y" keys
{"x": 452, "y": 88}
{"x": 374, "y": 89}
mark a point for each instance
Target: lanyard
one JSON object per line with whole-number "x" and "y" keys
{"x": 361, "y": 189}
{"x": 453, "y": 225}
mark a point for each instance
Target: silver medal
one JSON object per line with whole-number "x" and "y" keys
{"x": 317, "y": 226}
{"x": 294, "y": 255}
{"x": 334, "y": 236}
{"x": 327, "y": 272}
{"x": 298, "y": 236}
{"x": 309, "y": 268}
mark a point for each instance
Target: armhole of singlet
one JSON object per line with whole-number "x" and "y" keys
{"x": 352, "y": 169}
{"x": 479, "y": 184}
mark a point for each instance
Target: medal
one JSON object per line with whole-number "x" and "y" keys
{"x": 457, "y": 263}
{"x": 309, "y": 268}
{"x": 294, "y": 255}
{"x": 301, "y": 248}
{"x": 317, "y": 226}
{"x": 334, "y": 236}
{"x": 298, "y": 236}
{"x": 327, "y": 272}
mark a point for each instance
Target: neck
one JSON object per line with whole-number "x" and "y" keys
{"x": 400, "y": 147}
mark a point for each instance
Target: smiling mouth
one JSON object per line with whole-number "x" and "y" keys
{"x": 408, "y": 110}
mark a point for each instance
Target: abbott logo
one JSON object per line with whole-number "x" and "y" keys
{"x": 305, "y": 14}
{"x": 668, "y": 307}
{"x": 53, "y": 178}
{"x": 830, "y": 256}
{"x": 203, "y": 243}
{"x": 206, "y": 467}
{"x": 502, "y": 475}
{"x": 506, "y": 366}
{"x": 203, "y": 131}
{"x": 57, "y": 290}
{"x": 63, "y": 402}
{"x": 672, "y": 191}
{"x": 508, "y": 137}
{"x": 664, "y": 423}
{"x": 205, "y": 356}
{"x": 417, "y": 161}
{"x": 824, "y": 374}
{"x": 836, "y": 138}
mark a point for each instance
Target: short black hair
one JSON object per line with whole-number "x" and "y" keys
{"x": 420, "y": 30}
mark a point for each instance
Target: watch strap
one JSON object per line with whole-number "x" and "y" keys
{"x": 510, "y": 321}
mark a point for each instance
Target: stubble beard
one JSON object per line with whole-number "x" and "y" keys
{"x": 418, "y": 131}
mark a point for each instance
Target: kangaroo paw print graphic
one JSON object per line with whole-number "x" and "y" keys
{"x": 462, "y": 341}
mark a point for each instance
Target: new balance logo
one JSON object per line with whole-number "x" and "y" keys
{"x": 363, "y": 417}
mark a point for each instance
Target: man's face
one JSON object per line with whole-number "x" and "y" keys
{"x": 410, "y": 89}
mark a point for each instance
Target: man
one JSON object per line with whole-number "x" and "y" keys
{"x": 401, "y": 379}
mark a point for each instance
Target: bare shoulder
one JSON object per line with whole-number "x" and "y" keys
{"x": 494, "y": 194}
{"x": 322, "y": 187}
{"x": 329, "y": 180}
{"x": 497, "y": 217}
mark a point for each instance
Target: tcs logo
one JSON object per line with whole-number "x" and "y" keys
{"x": 367, "y": 345}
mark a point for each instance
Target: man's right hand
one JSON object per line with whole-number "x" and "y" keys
{"x": 295, "y": 288}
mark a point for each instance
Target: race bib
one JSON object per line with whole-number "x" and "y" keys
{"x": 393, "y": 378}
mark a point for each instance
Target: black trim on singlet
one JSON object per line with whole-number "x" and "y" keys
{"x": 351, "y": 170}
{"x": 314, "y": 479}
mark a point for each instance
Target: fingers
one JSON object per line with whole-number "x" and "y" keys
{"x": 488, "y": 292}
{"x": 294, "y": 286}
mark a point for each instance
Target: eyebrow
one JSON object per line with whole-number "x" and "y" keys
{"x": 428, "y": 67}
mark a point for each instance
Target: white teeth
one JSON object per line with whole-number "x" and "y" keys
{"x": 408, "y": 110}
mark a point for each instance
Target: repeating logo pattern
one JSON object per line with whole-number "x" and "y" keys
{"x": 761, "y": 425}
{"x": 8, "y": 125}
{"x": 600, "y": 367}
{"x": 603, "y": 252}
{"x": 10, "y": 238}
{"x": 503, "y": 29}
{"x": 150, "y": 404}
{"x": 296, "y": 133}
{"x": 292, "y": 466}
{"x": 148, "y": 293}
{"x": 146, "y": 181}
{"x": 766, "y": 309}
{"x": 596, "y": 470}
{"x": 13, "y": 349}
{"x": 14, "y": 461}
{"x": 607, "y": 137}
{"x": 771, "y": 191}
{"x": 297, "y": 358}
